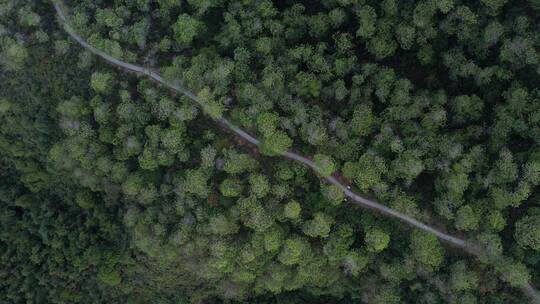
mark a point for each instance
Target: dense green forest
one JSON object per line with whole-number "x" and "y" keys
{"x": 216, "y": 184}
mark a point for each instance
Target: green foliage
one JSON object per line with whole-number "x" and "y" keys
{"x": 276, "y": 144}
{"x": 294, "y": 250}
{"x": 407, "y": 166}
{"x": 237, "y": 163}
{"x": 109, "y": 277}
{"x": 267, "y": 123}
{"x": 354, "y": 263}
{"x": 491, "y": 243}
{"x": 196, "y": 182}
{"x": 366, "y": 18}
{"x": 462, "y": 278}
{"x": 231, "y": 187}
{"x": 211, "y": 106}
{"x": 208, "y": 156}
{"x": 102, "y": 82}
{"x": 132, "y": 184}
{"x": 259, "y": 185}
{"x": 467, "y": 108}
{"x": 254, "y": 215}
{"x": 367, "y": 172}
{"x": 109, "y": 18}
{"x": 13, "y": 55}
{"x": 221, "y": 225}
{"x": 333, "y": 194}
{"x": 84, "y": 200}
{"x": 514, "y": 273}
{"x": 292, "y": 210}
{"x": 527, "y": 232}
{"x": 308, "y": 85}
{"x": 466, "y": 218}
{"x": 387, "y": 295}
{"x": 496, "y": 221}
{"x": 319, "y": 226}
{"x": 114, "y": 190}
{"x": 426, "y": 249}
{"x": 273, "y": 239}
{"x": 186, "y": 29}
{"x": 535, "y": 4}
{"x": 325, "y": 164}
{"x": 376, "y": 240}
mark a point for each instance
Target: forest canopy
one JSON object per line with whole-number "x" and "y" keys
{"x": 117, "y": 188}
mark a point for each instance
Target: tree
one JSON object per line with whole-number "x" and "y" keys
{"x": 496, "y": 221}
{"x": 535, "y": 4}
{"x": 405, "y": 35}
{"x": 276, "y": 144}
{"x": 173, "y": 140}
{"x": 333, "y": 194}
{"x": 308, "y": 85}
{"x": 491, "y": 247}
{"x": 423, "y": 13}
{"x": 132, "y": 185}
{"x": 195, "y": 182}
{"x": 102, "y": 82}
{"x": 461, "y": 278}
{"x": 426, "y": 249}
{"x": 325, "y": 164}
{"x": 267, "y": 123}
{"x": 376, "y": 239}
{"x": 84, "y": 199}
{"x": 221, "y": 225}
{"x": 319, "y": 226}
{"x": 314, "y": 133}
{"x": 354, "y": 263}
{"x": 367, "y": 172}
{"x": 387, "y": 295}
{"x": 208, "y": 155}
{"x": 367, "y": 18}
{"x": 527, "y": 232}
{"x": 254, "y": 215}
{"x": 505, "y": 170}
{"x": 273, "y": 239}
{"x": 519, "y": 52}
{"x": 213, "y": 107}
{"x": 237, "y": 163}
{"x": 512, "y": 272}
{"x": 466, "y": 219}
{"x": 291, "y": 210}
{"x": 13, "y": 54}
{"x": 231, "y": 187}
{"x": 467, "y": 108}
{"x": 109, "y": 276}
{"x": 186, "y": 29}
{"x": 259, "y": 185}
{"x": 383, "y": 44}
{"x": 407, "y": 166}
{"x": 493, "y": 32}
{"x": 107, "y": 17}
{"x": 294, "y": 251}
{"x": 363, "y": 121}
{"x": 384, "y": 80}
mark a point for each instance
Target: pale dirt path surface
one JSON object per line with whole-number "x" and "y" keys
{"x": 356, "y": 198}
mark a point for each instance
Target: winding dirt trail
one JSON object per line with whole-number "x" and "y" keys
{"x": 356, "y": 198}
